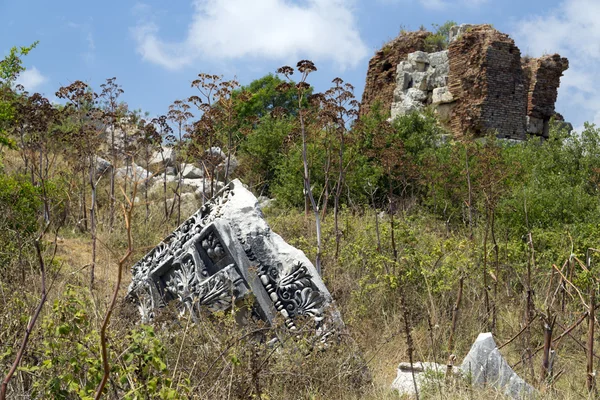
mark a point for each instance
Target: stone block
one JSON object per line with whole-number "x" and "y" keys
{"x": 418, "y": 57}
{"x": 164, "y": 158}
{"x": 403, "y": 80}
{"x": 226, "y": 252}
{"x": 486, "y": 367}
{"x": 416, "y": 95}
{"x": 405, "y": 66}
{"x": 439, "y": 59}
{"x": 192, "y": 172}
{"x": 535, "y": 126}
{"x": 441, "y": 95}
{"x": 424, "y": 372}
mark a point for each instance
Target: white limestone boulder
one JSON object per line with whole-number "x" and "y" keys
{"x": 425, "y": 373}
{"x": 226, "y": 252}
{"x": 135, "y": 173}
{"x": 486, "y": 367}
{"x": 192, "y": 172}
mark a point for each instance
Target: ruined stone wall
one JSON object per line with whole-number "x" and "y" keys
{"x": 381, "y": 76}
{"x": 503, "y": 108}
{"x": 543, "y": 78}
{"x": 480, "y": 85}
{"x": 487, "y": 82}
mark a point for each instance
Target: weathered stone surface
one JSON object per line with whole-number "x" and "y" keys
{"x": 542, "y": 76}
{"x": 441, "y": 95}
{"x": 425, "y": 373}
{"x": 226, "y": 252}
{"x": 480, "y": 85}
{"x": 457, "y": 30}
{"x": 487, "y": 80}
{"x": 381, "y": 76}
{"x": 486, "y": 367}
{"x": 171, "y": 171}
{"x": 102, "y": 166}
{"x": 164, "y": 158}
{"x": 417, "y": 79}
{"x": 134, "y": 172}
{"x": 216, "y": 152}
{"x": 233, "y": 165}
{"x": 192, "y": 172}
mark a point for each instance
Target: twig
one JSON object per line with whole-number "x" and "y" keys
{"x": 127, "y": 214}
{"x": 518, "y": 334}
{"x": 33, "y": 319}
{"x": 569, "y": 282}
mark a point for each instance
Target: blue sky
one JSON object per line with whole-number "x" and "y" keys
{"x": 156, "y": 48}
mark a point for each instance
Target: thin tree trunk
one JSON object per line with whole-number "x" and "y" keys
{"x": 111, "y": 215}
{"x": 455, "y": 312}
{"x": 93, "y": 220}
{"x": 409, "y": 340}
{"x": 591, "y": 381}
{"x": 32, "y": 321}
{"x": 548, "y": 322}
{"x": 308, "y": 191}
{"x": 104, "y": 327}
{"x": 162, "y": 155}
{"x": 497, "y": 272}
{"x": 530, "y": 311}
{"x": 376, "y": 222}
{"x": 83, "y": 185}
{"x": 470, "y": 205}
{"x": 338, "y": 192}
{"x": 146, "y": 186}
{"x": 486, "y": 295}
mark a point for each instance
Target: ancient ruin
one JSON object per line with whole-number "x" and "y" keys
{"x": 480, "y": 84}
{"x": 483, "y": 366}
{"x": 225, "y": 253}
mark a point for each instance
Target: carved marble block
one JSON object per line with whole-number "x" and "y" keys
{"x": 226, "y": 252}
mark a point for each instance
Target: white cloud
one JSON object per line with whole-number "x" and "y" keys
{"x": 31, "y": 79}
{"x": 573, "y": 30}
{"x": 439, "y": 5}
{"x": 320, "y": 30}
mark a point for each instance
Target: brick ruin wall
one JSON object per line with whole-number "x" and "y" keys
{"x": 542, "y": 80}
{"x": 494, "y": 96}
{"x": 381, "y": 75}
{"x": 492, "y": 87}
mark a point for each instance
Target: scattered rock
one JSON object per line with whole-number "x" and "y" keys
{"x": 204, "y": 191}
{"x": 134, "y": 171}
{"x": 163, "y": 158}
{"x": 264, "y": 202}
{"x": 189, "y": 204}
{"x": 486, "y": 367}
{"x": 102, "y": 166}
{"x": 425, "y": 373}
{"x": 216, "y": 152}
{"x": 171, "y": 171}
{"x": 233, "y": 164}
{"x": 192, "y": 172}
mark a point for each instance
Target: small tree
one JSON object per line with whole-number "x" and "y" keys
{"x": 305, "y": 67}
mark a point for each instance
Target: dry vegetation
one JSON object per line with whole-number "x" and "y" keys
{"x": 405, "y": 219}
